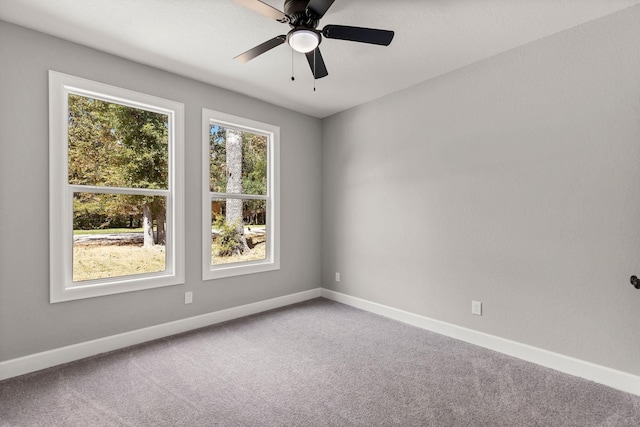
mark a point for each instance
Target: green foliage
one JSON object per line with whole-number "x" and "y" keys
{"x": 96, "y": 211}
{"x": 217, "y": 159}
{"x": 93, "y": 211}
{"x": 91, "y": 141}
{"x": 254, "y": 169}
{"x": 114, "y": 145}
{"x": 142, "y": 154}
{"x": 254, "y": 161}
{"x": 228, "y": 239}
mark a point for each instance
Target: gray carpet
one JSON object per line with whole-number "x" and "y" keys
{"x": 318, "y": 363}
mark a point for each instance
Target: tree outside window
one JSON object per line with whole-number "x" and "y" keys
{"x": 239, "y": 197}
{"x": 115, "y": 195}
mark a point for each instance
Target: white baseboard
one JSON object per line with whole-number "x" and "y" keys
{"x": 580, "y": 368}
{"x": 569, "y": 365}
{"x": 46, "y": 359}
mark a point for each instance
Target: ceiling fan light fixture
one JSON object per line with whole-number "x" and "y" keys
{"x": 303, "y": 40}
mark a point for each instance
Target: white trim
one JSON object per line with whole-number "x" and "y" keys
{"x": 73, "y": 188}
{"x": 214, "y": 196}
{"x": 62, "y": 288}
{"x": 46, "y": 359}
{"x": 601, "y": 374}
{"x": 272, "y": 261}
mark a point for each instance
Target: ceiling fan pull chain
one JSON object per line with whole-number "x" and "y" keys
{"x": 314, "y": 69}
{"x": 292, "y": 77}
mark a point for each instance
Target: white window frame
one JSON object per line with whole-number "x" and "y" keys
{"x": 272, "y": 259}
{"x": 62, "y": 287}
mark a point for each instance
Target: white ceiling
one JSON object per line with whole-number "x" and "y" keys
{"x": 199, "y": 38}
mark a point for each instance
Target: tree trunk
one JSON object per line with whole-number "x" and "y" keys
{"x": 234, "y": 186}
{"x": 147, "y": 227}
{"x": 161, "y": 238}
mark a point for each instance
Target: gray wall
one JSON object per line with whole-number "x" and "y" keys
{"x": 28, "y": 323}
{"x": 514, "y": 182}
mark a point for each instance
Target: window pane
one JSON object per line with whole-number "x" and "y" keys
{"x": 114, "y": 145}
{"x": 109, "y": 235}
{"x": 238, "y": 161}
{"x": 238, "y": 231}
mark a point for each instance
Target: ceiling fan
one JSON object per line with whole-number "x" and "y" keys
{"x": 303, "y": 16}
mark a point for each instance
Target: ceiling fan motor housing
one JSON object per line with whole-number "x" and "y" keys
{"x": 296, "y": 10}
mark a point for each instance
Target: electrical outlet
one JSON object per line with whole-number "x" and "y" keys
{"x": 476, "y": 308}
{"x": 337, "y": 277}
{"x": 188, "y": 297}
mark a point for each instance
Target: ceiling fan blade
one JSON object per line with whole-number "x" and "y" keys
{"x": 358, "y": 34}
{"x": 319, "y": 70}
{"x": 264, "y": 9}
{"x": 319, "y": 7}
{"x": 260, "y": 49}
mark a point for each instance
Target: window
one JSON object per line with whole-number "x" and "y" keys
{"x": 115, "y": 208}
{"x": 240, "y": 207}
